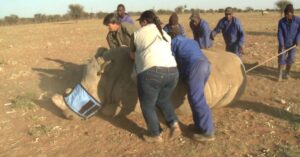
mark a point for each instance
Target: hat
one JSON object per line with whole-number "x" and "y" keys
{"x": 195, "y": 16}
{"x": 150, "y": 16}
{"x": 228, "y": 10}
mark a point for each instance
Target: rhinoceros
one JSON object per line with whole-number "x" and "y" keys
{"x": 117, "y": 90}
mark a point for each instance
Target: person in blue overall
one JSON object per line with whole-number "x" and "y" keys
{"x": 194, "y": 69}
{"x": 173, "y": 21}
{"x": 232, "y": 31}
{"x": 201, "y": 31}
{"x": 288, "y": 36}
{"x": 123, "y": 16}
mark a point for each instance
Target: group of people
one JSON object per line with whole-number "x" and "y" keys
{"x": 162, "y": 54}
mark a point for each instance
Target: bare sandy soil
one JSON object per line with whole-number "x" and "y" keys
{"x": 38, "y": 60}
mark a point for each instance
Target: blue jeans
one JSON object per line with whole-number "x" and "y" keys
{"x": 155, "y": 87}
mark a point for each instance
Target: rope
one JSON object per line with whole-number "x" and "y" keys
{"x": 270, "y": 58}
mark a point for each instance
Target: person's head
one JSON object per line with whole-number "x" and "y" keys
{"x": 149, "y": 17}
{"x": 228, "y": 13}
{"x": 112, "y": 22}
{"x": 173, "y": 20}
{"x": 289, "y": 11}
{"x": 121, "y": 10}
{"x": 174, "y": 31}
{"x": 195, "y": 19}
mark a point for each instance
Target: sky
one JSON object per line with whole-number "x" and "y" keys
{"x": 27, "y": 8}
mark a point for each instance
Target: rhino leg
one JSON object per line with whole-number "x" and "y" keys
{"x": 111, "y": 110}
{"x": 60, "y": 103}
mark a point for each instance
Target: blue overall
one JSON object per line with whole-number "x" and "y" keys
{"x": 127, "y": 19}
{"x": 288, "y": 35}
{"x": 194, "y": 68}
{"x": 232, "y": 33}
{"x": 201, "y": 34}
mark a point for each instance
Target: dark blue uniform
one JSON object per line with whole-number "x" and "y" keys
{"x": 232, "y": 33}
{"x": 288, "y": 35}
{"x": 194, "y": 68}
{"x": 201, "y": 34}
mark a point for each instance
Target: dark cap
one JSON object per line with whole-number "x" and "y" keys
{"x": 149, "y": 16}
{"x": 228, "y": 10}
{"x": 195, "y": 16}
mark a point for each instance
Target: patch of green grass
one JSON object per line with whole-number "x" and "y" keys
{"x": 39, "y": 130}
{"x": 24, "y": 102}
{"x": 287, "y": 151}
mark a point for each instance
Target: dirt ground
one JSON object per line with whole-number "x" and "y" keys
{"x": 38, "y": 60}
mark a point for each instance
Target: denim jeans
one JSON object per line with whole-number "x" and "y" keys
{"x": 155, "y": 87}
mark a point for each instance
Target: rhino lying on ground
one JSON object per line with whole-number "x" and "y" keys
{"x": 117, "y": 91}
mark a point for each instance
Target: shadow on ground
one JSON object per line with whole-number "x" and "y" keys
{"x": 268, "y": 72}
{"x": 261, "y": 33}
{"x": 267, "y": 109}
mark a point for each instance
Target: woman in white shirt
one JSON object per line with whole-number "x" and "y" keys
{"x": 157, "y": 74}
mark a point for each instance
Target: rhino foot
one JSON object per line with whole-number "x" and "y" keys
{"x": 111, "y": 110}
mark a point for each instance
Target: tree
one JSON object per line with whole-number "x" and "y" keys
{"x": 179, "y": 9}
{"x": 76, "y": 11}
{"x": 249, "y": 9}
{"x": 39, "y": 18}
{"x": 281, "y": 4}
{"x": 12, "y": 19}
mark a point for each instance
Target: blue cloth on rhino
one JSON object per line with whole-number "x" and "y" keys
{"x": 194, "y": 69}
{"x": 288, "y": 35}
{"x": 81, "y": 102}
{"x": 232, "y": 33}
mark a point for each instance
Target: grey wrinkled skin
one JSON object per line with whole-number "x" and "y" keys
{"x": 118, "y": 92}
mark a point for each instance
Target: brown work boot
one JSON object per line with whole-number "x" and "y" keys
{"x": 175, "y": 131}
{"x": 280, "y": 72}
{"x": 203, "y": 137}
{"x": 153, "y": 139}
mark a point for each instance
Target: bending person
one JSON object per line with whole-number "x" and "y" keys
{"x": 157, "y": 75}
{"x": 194, "y": 69}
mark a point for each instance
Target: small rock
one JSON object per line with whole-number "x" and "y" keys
{"x": 282, "y": 101}
{"x": 49, "y": 44}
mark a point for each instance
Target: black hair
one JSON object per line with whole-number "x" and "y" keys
{"x": 150, "y": 17}
{"x": 173, "y": 20}
{"x": 289, "y": 8}
{"x": 121, "y": 5}
{"x": 111, "y": 18}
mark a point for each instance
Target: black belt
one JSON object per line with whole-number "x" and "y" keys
{"x": 163, "y": 69}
